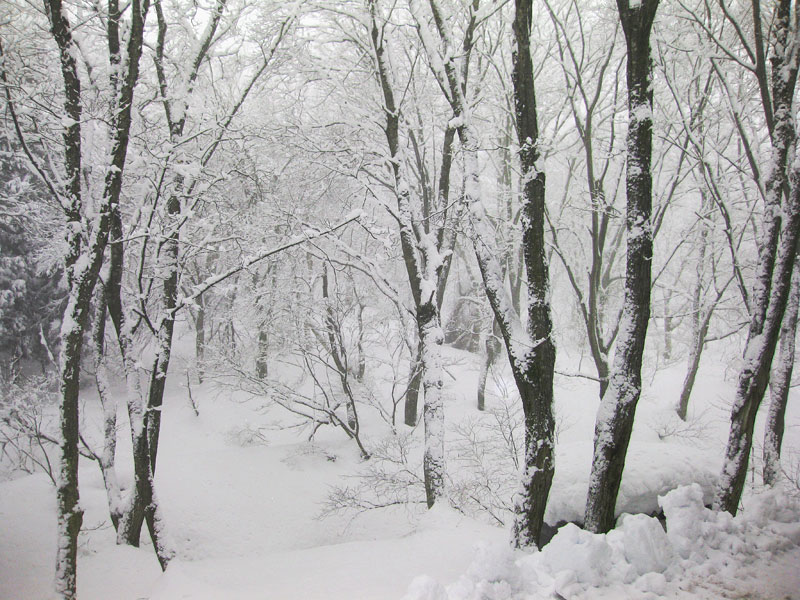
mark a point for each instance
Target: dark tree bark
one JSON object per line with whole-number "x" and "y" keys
{"x": 138, "y": 509}
{"x": 200, "y": 340}
{"x": 780, "y": 382}
{"x": 338, "y": 353}
{"x": 534, "y": 376}
{"x": 80, "y": 282}
{"x": 617, "y": 408}
{"x": 754, "y": 376}
{"x": 144, "y": 507}
{"x": 412, "y": 394}
{"x": 168, "y": 251}
{"x": 83, "y": 261}
{"x": 531, "y": 352}
{"x": 776, "y": 258}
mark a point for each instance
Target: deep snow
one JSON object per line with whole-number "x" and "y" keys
{"x": 241, "y": 499}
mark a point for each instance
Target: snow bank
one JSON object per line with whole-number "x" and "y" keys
{"x": 699, "y": 545}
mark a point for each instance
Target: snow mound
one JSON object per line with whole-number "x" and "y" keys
{"x": 699, "y": 544}
{"x": 588, "y": 557}
{"x": 644, "y": 544}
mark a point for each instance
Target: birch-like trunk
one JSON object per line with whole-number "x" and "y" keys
{"x": 431, "y": 338}
{"x": 617, "y": 408}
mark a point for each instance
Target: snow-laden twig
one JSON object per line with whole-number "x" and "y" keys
{"x": 298, "y": 240}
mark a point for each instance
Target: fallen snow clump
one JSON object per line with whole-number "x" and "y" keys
{"x": 699, "y": 544}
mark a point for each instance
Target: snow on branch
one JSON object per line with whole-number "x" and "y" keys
{"x": 306, "y": 236}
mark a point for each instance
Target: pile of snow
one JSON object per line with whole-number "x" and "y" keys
{"x": 700, "y": 548}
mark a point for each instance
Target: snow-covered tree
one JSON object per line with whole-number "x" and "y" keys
{"x": 778, "y": 239}
{"x": 617, "y": 408}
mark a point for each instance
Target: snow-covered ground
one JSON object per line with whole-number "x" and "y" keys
{"x": 242, "y": 499}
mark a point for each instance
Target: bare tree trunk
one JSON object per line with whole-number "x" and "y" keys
{"x": 200, "y": 339}
{"x": 490, "y": 354}
{"x": 80, "y": 282}
{"x": 532, "y": 352}
{"x": 431, "y": 339}
{"x": 698, "y": 331}
{"x": 617, "y": 408}
{"x": 262, "y": 362}
{"x": 779, "y": 384}
{"x": 534, "y": 375}
{"x": 754, "y": 376}
{"x": 143, "y": 504}
{"x": 775, "y": 263}
{"x": 669, "y": 326}
{"x": 166, "y": 325}
{"x": 70, "y": 515}
{"x": 698, "y": 343}
{"x": 83, "y": 262}
{"x": 338, "y": 352}
{"x": 106, "y": 459}
{"x": 414, "y": 385}
{"x": 424, "y": 268}
{"x": 168, "y": 250}
{"x": 361, "y": 361}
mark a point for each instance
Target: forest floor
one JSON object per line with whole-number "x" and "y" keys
{"x": 242, "y": 497}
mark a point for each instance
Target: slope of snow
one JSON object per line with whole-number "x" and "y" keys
{"x": 241, "y": 498}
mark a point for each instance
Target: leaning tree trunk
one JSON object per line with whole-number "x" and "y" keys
{"x": 698, "y": 331}
{"x": 696, "y": 351}
{"x": 779, "y": 384}
{"x": 754, "y": 375}
{"x": 166, "y": 328}
{"x": 168, "y": 250}
{"x": 775, "y": 264}
{"x": 616, "y": 413}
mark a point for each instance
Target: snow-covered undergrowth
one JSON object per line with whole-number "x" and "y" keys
{"x": 639, "y": 558}
{"x": 242, "y": 495}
